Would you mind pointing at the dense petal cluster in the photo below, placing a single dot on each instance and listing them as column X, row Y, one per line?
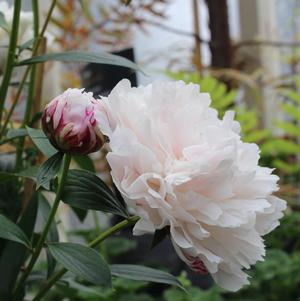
column 69, row 122
column 178, row 165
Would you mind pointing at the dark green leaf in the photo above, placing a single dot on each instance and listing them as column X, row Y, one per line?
column 159, row 236
column 14, row 254
column 49, row 170
column 10, row 231
column 30, row 173
column 80, row 213
column 85, row 162
column 44, row 209
column 141, row 273
column 85, row 190
column 82, row 261
column 15, row 133
column 99, row 57
column 3, row 23
column 5, row 176
column 41, row 141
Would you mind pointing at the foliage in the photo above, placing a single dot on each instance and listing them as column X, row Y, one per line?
column 286, row 147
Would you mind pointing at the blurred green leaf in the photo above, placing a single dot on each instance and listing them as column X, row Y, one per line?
column 30, row 172
column 15, row 133
column 117, row 246
column 99, row 57
column 291, row 110
column 141, row 273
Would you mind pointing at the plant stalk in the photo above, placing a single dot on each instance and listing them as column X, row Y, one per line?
column 41, row 241
column 116, row 228
column 22, row 83
column 27, row 113
column 11, row 56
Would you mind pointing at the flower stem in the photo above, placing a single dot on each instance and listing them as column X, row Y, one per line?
column 11, row 56
column 116, row 228
column 41, row 241
column 22, row 83
column 27, row 113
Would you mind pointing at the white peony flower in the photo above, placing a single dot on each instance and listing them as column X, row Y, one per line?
column 176, row 164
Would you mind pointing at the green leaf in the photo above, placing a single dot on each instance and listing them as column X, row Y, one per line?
column 49, row 170
column 16, row 133
column 14, row 254
column 288, row 168
column 291, row 110
column 99, row 57
column 80, row 213
column 141, row 273
column 44, row 209
column 257, row 135
column 117, row 246
column 30, row 173
column 41, row 141
column 85, row 162
column 289, row 127
column 226, row 100
column 82, row 261
column 3, row 23
column 280, row 146
column 292, row 94
column 10, row 231
column 159, row 236
column 85, row 190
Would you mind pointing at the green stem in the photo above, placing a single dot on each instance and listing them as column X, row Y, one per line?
column 116, row 228
column 10, row 56
column 41, row 241
column 22, row 83
column 27, row 113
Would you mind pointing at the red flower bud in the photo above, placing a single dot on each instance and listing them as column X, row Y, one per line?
column 68, row 122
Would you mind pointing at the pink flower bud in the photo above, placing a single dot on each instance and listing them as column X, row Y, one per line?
column 68, row 122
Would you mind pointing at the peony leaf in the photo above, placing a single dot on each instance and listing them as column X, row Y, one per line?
column 14, row 254
column 10, row 231
column 85, row 190
column 99, row 57
column 44, row 209
column 159, row 236
column 41, row 141
column 48, row 170
column 84, row 162
column 30, row 172
column 83, row 261
column 141, row 273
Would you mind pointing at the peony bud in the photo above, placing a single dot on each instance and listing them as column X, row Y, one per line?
column 68, row 122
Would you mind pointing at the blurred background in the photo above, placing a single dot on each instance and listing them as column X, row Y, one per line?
column 246, row 54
